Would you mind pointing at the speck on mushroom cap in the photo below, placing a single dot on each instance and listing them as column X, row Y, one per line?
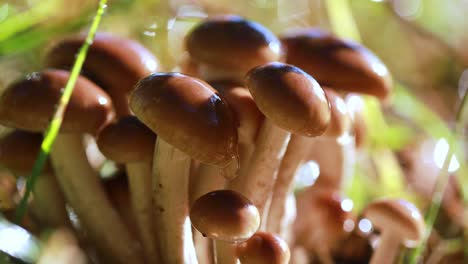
column 188, row 114
column 336, row 63
column 19, row 150
column 225, row 215
column 397, row 216
column 232, row 42
column 291, row 98
column 30, row 103
column 127, row 140
column 113, row 62
column 263, row 248
column 340, row 121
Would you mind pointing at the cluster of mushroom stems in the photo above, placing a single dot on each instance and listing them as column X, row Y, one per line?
column 211, row 152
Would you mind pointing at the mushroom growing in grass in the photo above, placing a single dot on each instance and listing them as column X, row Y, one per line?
column 399, row 223
column 226, row 47
column 114, row 63
column 130, row 142
column 324, row 220
column 263, row 248
column 298, row 151
column 29, row 104
column 337, row 63
column 18, row 152
column 292, row 101
column 191, row 121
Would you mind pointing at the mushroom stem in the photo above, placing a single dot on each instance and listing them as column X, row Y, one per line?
column 225, row 253
column 324, row 256
column 171, row 170
column 387, row 249
column 203, row 247
column 93, row 208
column 49, row 203
column 335, row 158
column 256, row 182
column 139, row 179
column 297, row 149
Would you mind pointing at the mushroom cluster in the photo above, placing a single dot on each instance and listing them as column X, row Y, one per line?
column 210, row 154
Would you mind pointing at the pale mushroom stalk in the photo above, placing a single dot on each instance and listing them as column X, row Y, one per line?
column 97, row 215
column 387, row 251
column 49, row 202
column 139, row 180
column 171, row 170
column 258, row 180
column 297, row 149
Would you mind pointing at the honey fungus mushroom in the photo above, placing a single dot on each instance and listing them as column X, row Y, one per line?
column 326, row 57
column 114, row 63
column 130, row 142
column 29, row 104
column 292, row 102
column 191, row 121
column 399, row 223
column 263, row 248
column 18, row 152
column 226, row 47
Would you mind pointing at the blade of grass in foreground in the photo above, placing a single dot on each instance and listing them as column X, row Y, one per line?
column 54, row 126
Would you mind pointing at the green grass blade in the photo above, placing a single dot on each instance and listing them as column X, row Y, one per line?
column 54, row 126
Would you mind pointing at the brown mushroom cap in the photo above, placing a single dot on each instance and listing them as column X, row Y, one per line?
column 127, row 140
column 263, row 248
column 324, row 208
column 19, row 150
column 291, row 98
column 188, row 114
column 340, row 121
column 231, row 42
column 30, row 103
column 397, row 216
column 113, row 62
column 225, row 215
column 337, row 63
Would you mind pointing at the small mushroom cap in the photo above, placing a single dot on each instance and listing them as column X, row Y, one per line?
column 225, row 215
column 336, row 63
column 263, row 248
column 113, row 62
column 340, row 121
column 30, row 103
column 248, row 116
column 231, row 42
column 127, row 140
column 397, row 216
column 188, row 114
column 19, row 150
column 291, row 98
column 325, row 208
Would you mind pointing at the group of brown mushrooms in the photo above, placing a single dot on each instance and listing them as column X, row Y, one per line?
column 210, row 153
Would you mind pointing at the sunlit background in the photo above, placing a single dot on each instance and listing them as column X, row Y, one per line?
column 423, row 43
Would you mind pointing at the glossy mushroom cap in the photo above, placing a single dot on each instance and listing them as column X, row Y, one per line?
column 30, row 103
column 248, row 116
column 263, row 248
column 127, row 140
column 289, row 97
column 112, row 62
column 337, row 63
column 19, row 150
column 340, row 121
column 324, row 219
column 225, row 215
column 397, row 216
column 233, row 43
column 188, row 114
